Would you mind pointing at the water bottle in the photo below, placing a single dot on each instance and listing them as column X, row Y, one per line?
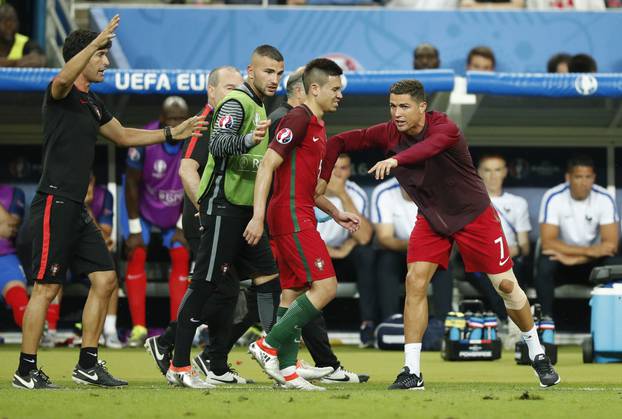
column 476, row 325
column 547, row 330
column 466, row 332
column 454, row 323
column 490, row 324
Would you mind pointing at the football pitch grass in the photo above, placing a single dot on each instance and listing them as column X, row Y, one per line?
column 498, row 389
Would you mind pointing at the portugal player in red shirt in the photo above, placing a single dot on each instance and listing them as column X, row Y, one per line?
column 430, row 158
column 308, row 279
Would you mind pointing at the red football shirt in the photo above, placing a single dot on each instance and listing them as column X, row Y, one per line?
column 301, row 140
column 435, row 168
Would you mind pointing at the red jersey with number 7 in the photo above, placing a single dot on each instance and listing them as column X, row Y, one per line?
column 301, row 140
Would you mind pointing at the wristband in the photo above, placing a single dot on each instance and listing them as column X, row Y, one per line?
column 180, row 224
column 135, row 226
column 168, row 135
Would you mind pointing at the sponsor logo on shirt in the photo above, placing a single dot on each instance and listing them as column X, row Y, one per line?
column 170, row 197
column 247, row 163
column 159, row 168
column 225, row 121
column 284, row 136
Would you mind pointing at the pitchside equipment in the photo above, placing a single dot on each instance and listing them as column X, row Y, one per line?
column 471, row 335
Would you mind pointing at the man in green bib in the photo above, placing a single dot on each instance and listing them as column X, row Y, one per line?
column 238, row 141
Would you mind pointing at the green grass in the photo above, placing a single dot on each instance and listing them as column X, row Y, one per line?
column 498, row 389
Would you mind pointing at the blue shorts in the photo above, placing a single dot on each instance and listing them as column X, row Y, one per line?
column 147, row 227
column 10, row 270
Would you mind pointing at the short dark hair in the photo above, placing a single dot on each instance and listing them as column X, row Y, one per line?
column 580, row 160
column 270, row 52
column 555, row 60
column 318, row 71
column 413, row 87
column 423, row 46
column 77, row 40
column 582, row 63
column 489, row 156
column 482, row 51
column 8, row 12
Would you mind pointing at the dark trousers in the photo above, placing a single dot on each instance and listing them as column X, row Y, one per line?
column 381, row 297
column 314, row 334
column 552, row 273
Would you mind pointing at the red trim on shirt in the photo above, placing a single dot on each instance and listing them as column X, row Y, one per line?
column 46, row 237
column 193, row 141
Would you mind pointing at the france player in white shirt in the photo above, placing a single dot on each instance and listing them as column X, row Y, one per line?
column 514, row 215
column 350, row 252
column 513, row 209
column 579, row 229
column 394, row 216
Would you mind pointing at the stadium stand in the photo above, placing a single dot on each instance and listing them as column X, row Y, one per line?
column 536, row 119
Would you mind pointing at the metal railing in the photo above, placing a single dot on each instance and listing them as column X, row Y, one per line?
column 59, row 22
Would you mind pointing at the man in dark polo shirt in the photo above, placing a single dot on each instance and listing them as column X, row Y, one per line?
column 63, row 233
column 430, row 159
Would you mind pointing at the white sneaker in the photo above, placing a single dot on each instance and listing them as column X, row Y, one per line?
column 48, row 339
column 310, row 372
column 266, row 357
column 300, row 383
column 342, row 376
column 189, row 379
column 111, row 340
column 230, row 377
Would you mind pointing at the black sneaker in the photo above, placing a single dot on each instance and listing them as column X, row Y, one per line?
column 544, row 370
column 407, row 381
column 201, row 364
column 96, row 376
column 35, row 380
column 366, row 336
column 161, row 354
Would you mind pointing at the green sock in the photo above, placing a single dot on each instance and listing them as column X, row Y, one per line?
column 280, row 312
column 287, row 329
column 288, row 354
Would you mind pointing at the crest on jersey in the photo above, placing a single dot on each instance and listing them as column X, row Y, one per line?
column 159, row 167
column 133, row 154
column 54, row 269
column 319, row 264
column 284, row 136
column 225, row 121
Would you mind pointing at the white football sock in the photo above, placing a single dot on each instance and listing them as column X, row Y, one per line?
column 110, row 324
column 533, row 342
column 412, row 355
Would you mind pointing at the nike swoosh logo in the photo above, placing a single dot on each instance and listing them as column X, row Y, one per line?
column 504, row 262
column 30, row 384
column 193, row 320
column 343, row 380
column 93, row 376
column 232, row 381
column 95, row 355
column 316, row 139
column 30, row 360
column 158, row 355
